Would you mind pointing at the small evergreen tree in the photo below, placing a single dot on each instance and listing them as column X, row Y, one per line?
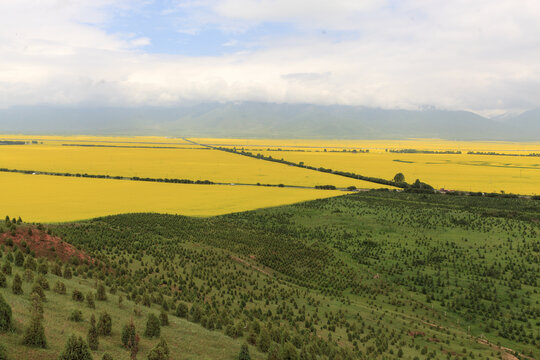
column 92, row 337
column 244, row 353
column 19, row 258
column 75, row 316
column 181, row 310
column 34, row 335
column 106, row 356
column 273, row 352
column 5, row 315
column 36, row 305
column 43, row 282
column 289, row 352
column 28, row 276
column 77, row 295
column 16, row 287
column 3, row 353
column 59, row 288
column 264, row 340
column 164, row 318
column 152, row 326
column 67, row 272
column 37, row 289
column 3, row 281
column 6, row 268
column 128, row 334
column 30, row 263
column 160, row 351
column 76, row 349
column 43, row 268
column 90, row 301
column 104, row 326
column 101, row 293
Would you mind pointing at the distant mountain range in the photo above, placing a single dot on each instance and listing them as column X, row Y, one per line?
column 268, row 120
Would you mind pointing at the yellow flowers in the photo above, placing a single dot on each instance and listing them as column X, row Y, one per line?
column 467, row 172
column 43, row 198
column 188, row 163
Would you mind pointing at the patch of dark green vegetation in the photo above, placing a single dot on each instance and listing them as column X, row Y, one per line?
column 377, row 274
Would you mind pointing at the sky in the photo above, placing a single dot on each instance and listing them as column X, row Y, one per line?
column 481, row 55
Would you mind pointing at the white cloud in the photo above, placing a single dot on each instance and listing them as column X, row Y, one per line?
column 480, row 55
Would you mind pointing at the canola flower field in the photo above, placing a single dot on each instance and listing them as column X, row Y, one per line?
column 508, row 173
column 172, row 163
column 47, row 198
column 42, row 198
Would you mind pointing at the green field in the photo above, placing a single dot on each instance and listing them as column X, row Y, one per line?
column 373, row 275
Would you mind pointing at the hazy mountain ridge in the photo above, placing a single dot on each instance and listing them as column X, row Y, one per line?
column 252, row 119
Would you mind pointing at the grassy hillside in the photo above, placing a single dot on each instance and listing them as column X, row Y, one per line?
column 370, row 275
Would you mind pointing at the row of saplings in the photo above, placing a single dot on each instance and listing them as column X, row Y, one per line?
column 76, row 347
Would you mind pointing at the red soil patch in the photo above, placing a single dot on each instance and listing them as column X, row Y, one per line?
column 416, row 333
column 42, row 244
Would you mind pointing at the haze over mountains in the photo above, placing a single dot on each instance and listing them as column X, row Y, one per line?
column 269, row 120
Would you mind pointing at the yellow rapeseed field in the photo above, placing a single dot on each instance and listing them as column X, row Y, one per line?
column 46, row 198
column 43, row 198
column 467, row 172
column 485, row 173
column 378, row 145
column 103, row 140
column 193, row 164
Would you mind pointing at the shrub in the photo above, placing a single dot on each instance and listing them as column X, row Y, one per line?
column 196, row 313
column 57, row 270
column 92, row 337
column 107, row 356
column 244, row 353
column 289, row 352
column 6, row 268
column 34, row 335
column 76, row 349
column 67, row 272
column 3, row 281
column 43, row 282
column 90, row 302
column 104, row 326
column 30, row 263
column 164, row 318
column 76, row 316
column 160, row 351
column 101, row 293
column 128, row 334
column 152, row 326
column 19, row 258
column 28, row 276
column 77, row 295
column 5, row 315
column 16, row 287
column 130, row 339
column 273, row 353
column 3, row 353
column 181, row 310
column 43, row 268
column 264, row 340
column 37, row 289
column 60, row 288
